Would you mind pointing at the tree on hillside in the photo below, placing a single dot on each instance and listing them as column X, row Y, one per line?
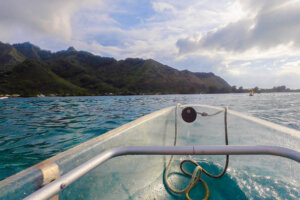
column 240, row 90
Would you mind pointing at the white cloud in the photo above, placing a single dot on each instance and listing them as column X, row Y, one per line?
column 162, row 6
column 41, row 18
column 156, row 36
column 292, row 67
column 265, row 30
column 269, row 24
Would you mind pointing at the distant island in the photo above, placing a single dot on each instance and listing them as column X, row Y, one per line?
column 281, row 88
column 26, row 70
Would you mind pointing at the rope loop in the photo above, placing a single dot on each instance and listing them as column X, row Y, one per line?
column 196, row 176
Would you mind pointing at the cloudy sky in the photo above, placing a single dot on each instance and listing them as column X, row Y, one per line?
column 248, row 43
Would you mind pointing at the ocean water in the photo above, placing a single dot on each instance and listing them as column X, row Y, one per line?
column 34, row 129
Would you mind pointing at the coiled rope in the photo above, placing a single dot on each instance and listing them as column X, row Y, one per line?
column 196, row 176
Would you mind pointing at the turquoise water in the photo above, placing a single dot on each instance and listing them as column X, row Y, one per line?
column 34, row 129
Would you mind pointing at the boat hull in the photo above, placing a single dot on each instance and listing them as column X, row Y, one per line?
column 141, row 176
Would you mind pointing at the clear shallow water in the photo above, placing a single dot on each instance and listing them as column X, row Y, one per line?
column 34, row 129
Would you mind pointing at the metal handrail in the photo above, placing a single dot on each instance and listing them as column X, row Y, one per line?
column 61, row 183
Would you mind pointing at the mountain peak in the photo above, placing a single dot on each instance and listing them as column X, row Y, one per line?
column 71, row 49
column 26, row 45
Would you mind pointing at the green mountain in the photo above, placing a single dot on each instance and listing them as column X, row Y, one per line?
column 9, row 57
column 32, row 77
column 31, row 51
column 28, row 70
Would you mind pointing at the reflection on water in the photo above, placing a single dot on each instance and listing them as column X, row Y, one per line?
column 34, row 129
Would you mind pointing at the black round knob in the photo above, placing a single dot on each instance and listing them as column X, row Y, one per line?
column 189, row 114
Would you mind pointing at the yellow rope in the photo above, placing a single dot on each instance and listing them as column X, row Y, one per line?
column 195, row 178
column 198, row 168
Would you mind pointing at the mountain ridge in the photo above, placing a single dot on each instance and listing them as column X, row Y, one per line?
column 73, row 72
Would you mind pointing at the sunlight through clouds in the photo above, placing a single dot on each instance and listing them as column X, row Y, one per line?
column 232, row 38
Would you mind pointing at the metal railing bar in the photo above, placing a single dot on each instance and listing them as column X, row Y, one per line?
column 61, row 183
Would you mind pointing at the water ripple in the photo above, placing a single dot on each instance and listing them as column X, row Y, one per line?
column 35, row 129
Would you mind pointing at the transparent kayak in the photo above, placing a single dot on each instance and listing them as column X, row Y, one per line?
column 130, row 162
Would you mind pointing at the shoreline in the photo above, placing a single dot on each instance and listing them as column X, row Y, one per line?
column 119, row 95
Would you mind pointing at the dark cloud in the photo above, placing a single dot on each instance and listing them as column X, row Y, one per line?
column 270, row 23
